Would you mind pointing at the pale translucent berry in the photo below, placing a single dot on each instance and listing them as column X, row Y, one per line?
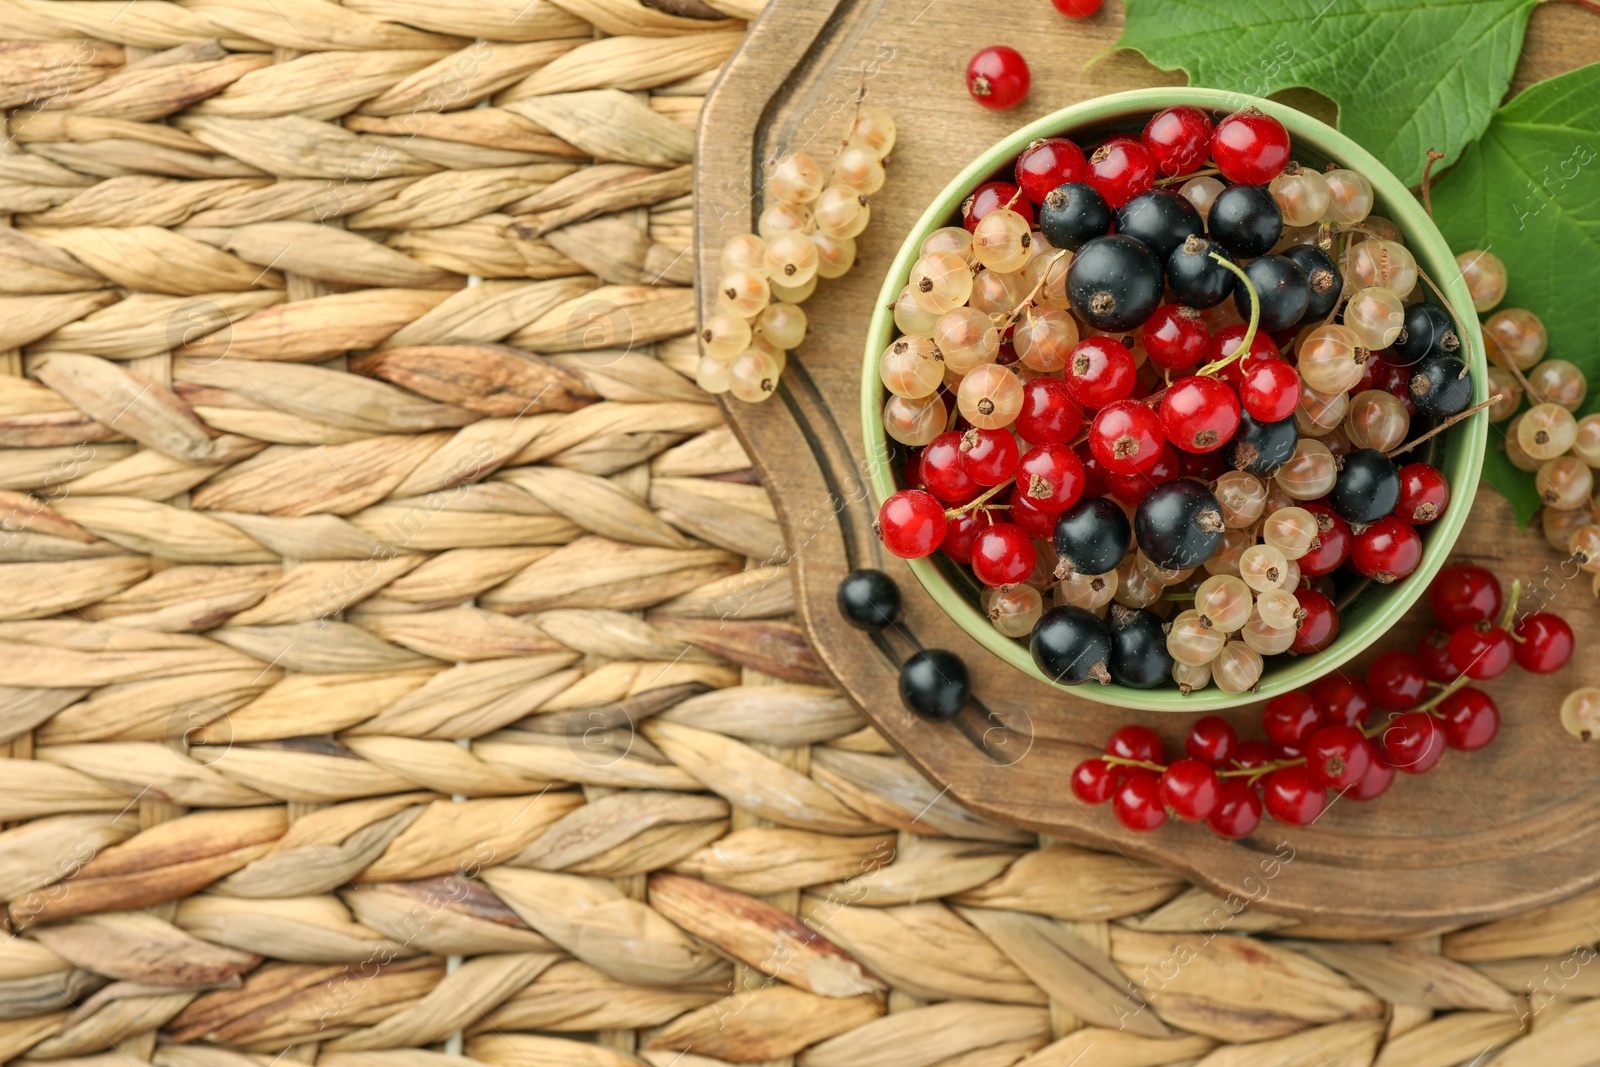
column 1514, row 337
column 1224, row 600
column 1044, row 337
column 713, row 375
column 1193, row 640
column 1338, row 440
column 794, row 294
column 1485, row 276
column 912, row 318
column 1580, row 713
column 1384, row 264
column 940, row 281
column 1191, row 677
column 745, row 252
column 1242, row 497
column 1559, row 382
column 911, row 367
column 1278, row 607
column 1319, row 413
column 791, row 258
column 1584, row 546
column 1236, row 668
column 797, row 179
column 1545, row 431
column 783, row 218
column 1002, row 240
column 1520, row 459
column 1302, row 194
column 1329, row 359
column 990, row 397
column 724, row 336
column 1503, row 383
column 1165, row 576
column 914, row 422
column 1310, row 472
column 1558, row 525
column 835, row 255
column 1377, row 420
column 1349, row 197
column 949, row 239
column 1375, row 316
column 967, row 339
column 753, row 376
column 1225, row 560
column 995, row 293
column 783, row 324
column 1263, row 567
column 1290, row 531
column 1012, row 608
column 1088, row 591
column 1135, row 589
column 875, row 129
column 859, row 167
column 1586, row 443
column 1564, row 482
column 841, row 212
column 1052, row 269
column 1265, row 638
column 1201, row 192
column 743, row 293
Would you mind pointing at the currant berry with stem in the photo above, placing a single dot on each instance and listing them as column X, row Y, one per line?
column 1211, row 740
column 911, row 523
column 1072, row 646
column 1051, row 477
column 944, row 470
column 1092, row 537
column 1094, row 781
column 1269, row 389
column 1324, row 282
column 1100, row 372
column 988, row 456
column 1199, row 414
column 1192, row 641
column 1469, row 719
column 1121, row 169
column 1465, row 594
column 1544, row 642
column 1440, row 386
column 1139, row 657
column 1126, row 436
column 1428, row 330
column 1137, row 801
column 1196, row 275
column 1049, row 414
column 1293, row 797
column 1331, row 546
column 1412, row 742
column 998, row 77
column 1179, row 524
column 1047, row 163
column 1190, row 789
column 1114, row 283
column 1386, row 551
column 1281, row 288
column 1337, row 756
column 1481, row 650
column 1368, row 487
column 1238, row 810
column 1301, row 193
column 1319, row 626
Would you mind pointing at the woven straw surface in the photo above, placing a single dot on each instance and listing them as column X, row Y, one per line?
column 388, row 677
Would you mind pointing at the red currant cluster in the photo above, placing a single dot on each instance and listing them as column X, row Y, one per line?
column 1254, row 437
column 1340, row 734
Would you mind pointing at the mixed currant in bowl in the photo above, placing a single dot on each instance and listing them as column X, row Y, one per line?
column 1156, row 399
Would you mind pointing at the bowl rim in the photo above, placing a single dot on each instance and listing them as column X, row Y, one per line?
column 1422, row 237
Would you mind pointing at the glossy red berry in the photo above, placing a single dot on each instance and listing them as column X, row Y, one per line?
column 1094, row 475
column 1077, row 9
column 998, row 78
column 1225, row 342
column 989, row 456
column 1034, row 521
column 1238, row 811
column 944, row 471
column 1002, row 554
column 1252, row 754
column 1371, row 373
column 1199, row 414
column 1318, row 628
column 1386, row 551
column 1126, row 436
column 990, row 197
column 1424, row 494
column 1051, row 477
column 1481, row 650
column 1413, row 742
column 959, row 534
column 1189, row 789
column 1290, row 719
column 1269, row 389
column 1121, row 169
column 1136, row 743
column 1129, row 489
column 1175, row 337
column 1250, row 147
column 1206, row 466
column 1338, row 756
column 1049, row 415
column 1470, row 719
column 1433, row 652
column 1459, row 595
column 1137, row 801
column 1093, row 781
column 911, row 523
column 1179, row 140
column 1331, row 547
column 1377, row 780
column 1293, row 797
column 1397, row 680
column 1396, row 381
column 1341, row 700
column 1211, row 740
column 1544, row 642
column 1047, row 163
column 1100, row 371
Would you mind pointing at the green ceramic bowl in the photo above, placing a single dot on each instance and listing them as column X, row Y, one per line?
column 1458, row 452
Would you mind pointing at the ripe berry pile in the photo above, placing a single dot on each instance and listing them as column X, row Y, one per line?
column 1239, row 452
column 1340, row 735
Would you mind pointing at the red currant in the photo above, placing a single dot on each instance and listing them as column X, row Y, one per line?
column 1225, row 342
column 959, row 534
column 1290, row 719
column 1100, row 371
column 1331, row 546
column 1413, row 742
column 1293, row 797
column 1341, row 701
column 998, row 78
column 1433, row 652
column 1077, row 9
column 989, row 456
column 944, row 473
column 1424, row 494
column 1396, row 381
column 1459, row 595
column 1269, row 389
column 1206, row 466
column 1250, row 147
column 1002, row 554
column 1376, row 781
column 1386, row 551
column 1189, row 789
column 1338, row 756
column 1544, row 642
column 1136, row 743
column 1481, row 650
column 1199, row 414
column 1371, row 373
column 1397, row 680
column 1318, row 628
column 1211, row 740
column 990, row 197
column 1179, row 140
column 1129, row 489
column 1175, row 337
column 1051, row 477
column 1094, row 475
column 1238, row 811
column 1470, row 719
column 911, row 523
column 1126, row 437
column 1252, row 754
column 1049, row 415
column 1121, row 169
column 1047, row 163
column 1137, row 801
column 1034, row 520
column 1093, row 781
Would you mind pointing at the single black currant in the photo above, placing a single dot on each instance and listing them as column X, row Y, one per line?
column 1114, row 283
column 1197, row 279
column 1440, row 386
column 934, row 684
column 1071, row 645
column 1245, row 220
column 1139, row 656
column 1072, row 214
column 1281, row 286
column 1160, row 220
column 1261, row 447
column 1092, row 536
column 1323, row 280
column 1368, row 487
column 1178, row 524
column 1428, row 331
column 869, row 599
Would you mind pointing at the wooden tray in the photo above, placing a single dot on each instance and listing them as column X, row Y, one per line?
column 1484, row 835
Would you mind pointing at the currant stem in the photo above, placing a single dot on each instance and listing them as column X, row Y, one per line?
column 951, row 513
column 1445, row 425
column 1250, row 332
column 1027, row 301
column 1176, row 179
column 1124, row 761
column 1434, row 156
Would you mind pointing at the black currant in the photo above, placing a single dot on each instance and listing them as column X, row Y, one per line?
column 1197, row 279
column 1092, row 536
column 1428, row 331
column 934, row 684
column 1071, row 645
column 1282, row 289
column 1368, row 487
column 1261, row 447
column 1114, row 283
column 1139, row 656
column 1323, row 280
column 1072, row 214
column 1178, row 524
column 1159, row 220
column 869, row 599
column 1440, row 386
column 1245, row 220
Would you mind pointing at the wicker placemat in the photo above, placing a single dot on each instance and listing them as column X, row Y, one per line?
column 376, row 690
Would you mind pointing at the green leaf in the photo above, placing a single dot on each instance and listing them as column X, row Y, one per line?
column 1529, row 191
column 1407, row 76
